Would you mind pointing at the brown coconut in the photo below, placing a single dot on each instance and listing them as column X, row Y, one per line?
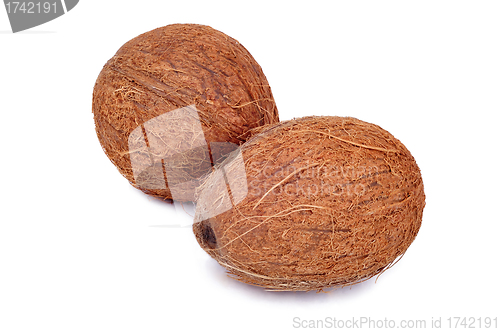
column 311, row 203
column 167, row 69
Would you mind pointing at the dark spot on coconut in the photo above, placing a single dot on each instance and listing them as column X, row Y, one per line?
column 208, row 235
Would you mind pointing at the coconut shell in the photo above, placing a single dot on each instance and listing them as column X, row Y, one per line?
column 311, row 203
column 208, row 75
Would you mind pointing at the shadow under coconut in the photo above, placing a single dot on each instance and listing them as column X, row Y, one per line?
column 221, row 276
column 159, row 202
column 174, row 215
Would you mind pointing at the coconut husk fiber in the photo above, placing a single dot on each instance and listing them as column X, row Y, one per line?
column 311, row 203
column 213, row 83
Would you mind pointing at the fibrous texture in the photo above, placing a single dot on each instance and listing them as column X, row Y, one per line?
column 208, row 75
column 311, row 203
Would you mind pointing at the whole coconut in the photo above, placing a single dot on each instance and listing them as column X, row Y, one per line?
column 311, row 203
column 215, row 87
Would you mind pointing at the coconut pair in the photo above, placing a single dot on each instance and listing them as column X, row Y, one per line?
column 185, row 113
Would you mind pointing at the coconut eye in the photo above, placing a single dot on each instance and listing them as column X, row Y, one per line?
column 208, row 234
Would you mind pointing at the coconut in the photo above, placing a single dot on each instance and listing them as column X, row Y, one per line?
column 173, row 101
column 311, row 203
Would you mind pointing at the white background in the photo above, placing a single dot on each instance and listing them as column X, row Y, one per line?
column 81, row 250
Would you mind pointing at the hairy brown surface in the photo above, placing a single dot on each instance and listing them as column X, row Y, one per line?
column 173, row 67
column 331, row 201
